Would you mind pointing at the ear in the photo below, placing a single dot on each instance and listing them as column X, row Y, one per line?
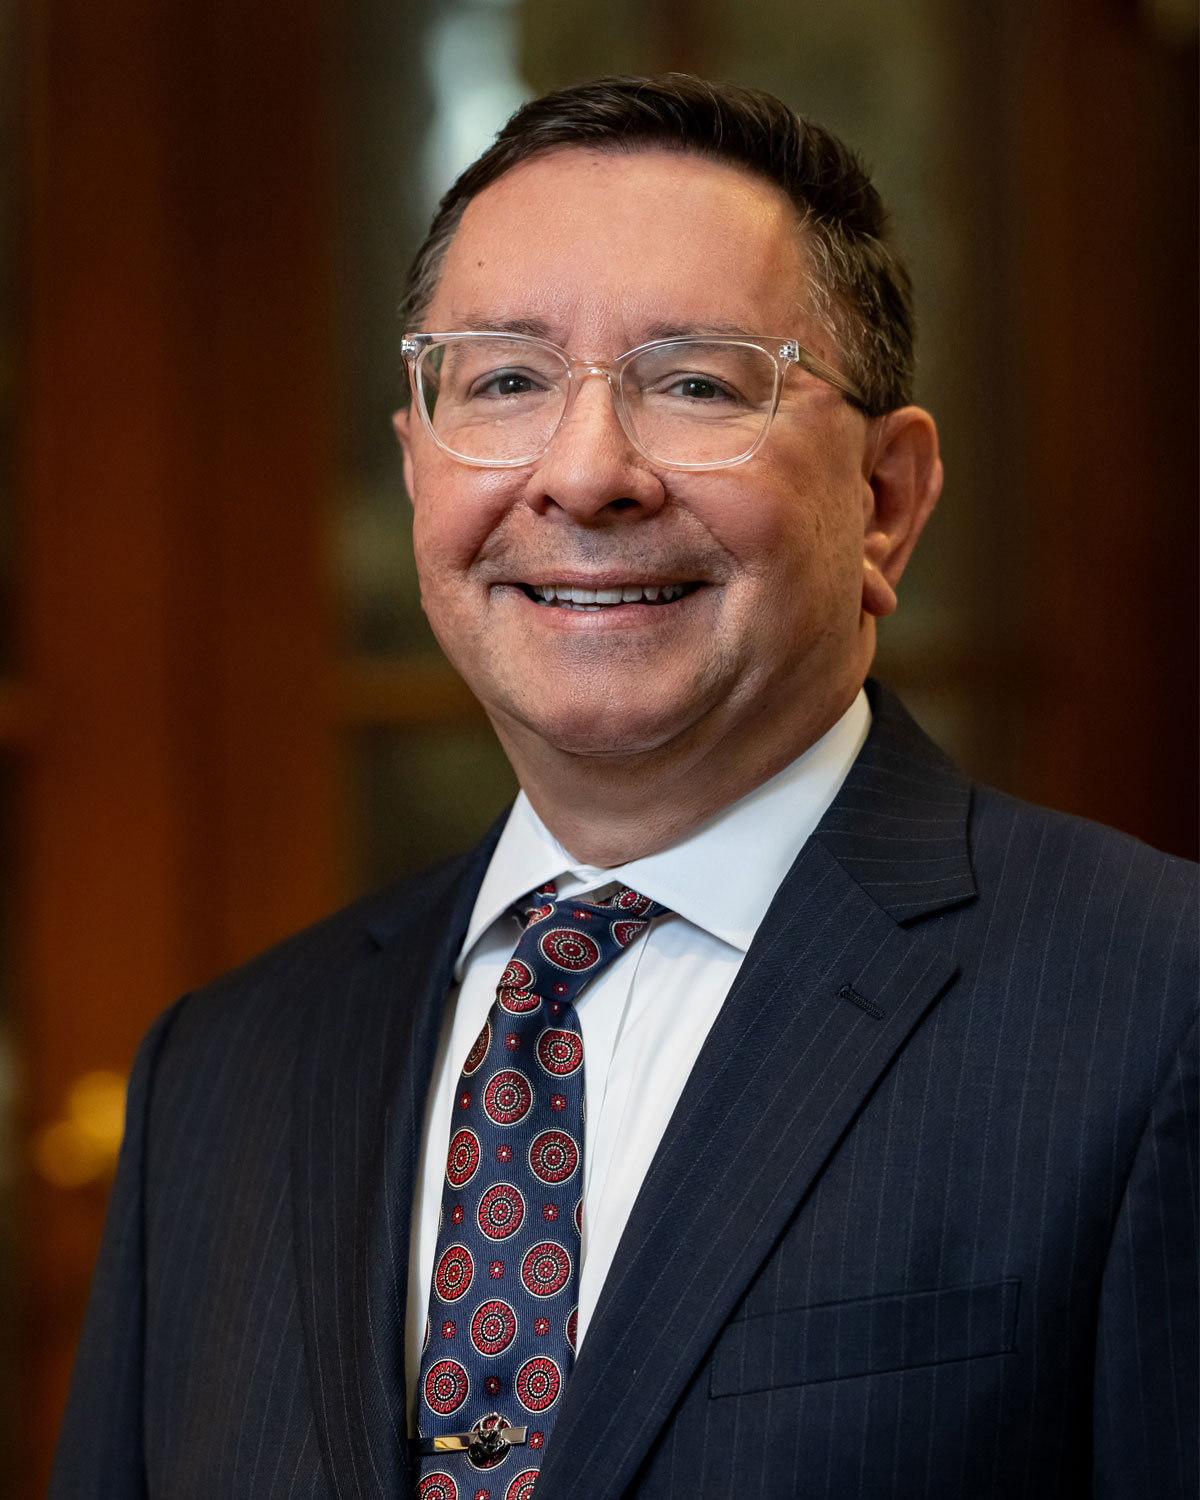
column 402, row 427
column 904, row 478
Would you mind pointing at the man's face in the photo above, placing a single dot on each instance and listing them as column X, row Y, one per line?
column 600, row 252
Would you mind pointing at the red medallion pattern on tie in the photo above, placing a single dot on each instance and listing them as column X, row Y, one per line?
column 454, row 1273
column 506, row 1272
column 501, row 1211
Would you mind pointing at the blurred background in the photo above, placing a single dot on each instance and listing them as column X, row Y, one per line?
column 221, row 713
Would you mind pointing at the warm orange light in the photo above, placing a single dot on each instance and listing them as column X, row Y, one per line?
column 83, row 1147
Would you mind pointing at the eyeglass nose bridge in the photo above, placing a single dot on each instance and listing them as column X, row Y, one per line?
column 579, row 370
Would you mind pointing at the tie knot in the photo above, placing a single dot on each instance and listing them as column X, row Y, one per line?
column 546, row 902
column 567, row 941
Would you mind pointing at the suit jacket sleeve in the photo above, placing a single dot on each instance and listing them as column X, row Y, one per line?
column 100, row 1449
column 1146, row 1392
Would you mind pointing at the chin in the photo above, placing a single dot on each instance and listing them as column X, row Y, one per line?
column 605, row 730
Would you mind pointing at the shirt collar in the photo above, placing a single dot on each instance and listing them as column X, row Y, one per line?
column 759, row 837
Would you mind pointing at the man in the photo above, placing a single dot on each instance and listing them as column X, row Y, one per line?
column 864, row 1165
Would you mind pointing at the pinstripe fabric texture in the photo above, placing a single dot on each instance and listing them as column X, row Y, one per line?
column 922, row 1225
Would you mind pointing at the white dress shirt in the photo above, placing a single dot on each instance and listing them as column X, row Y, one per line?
column 645, row 1017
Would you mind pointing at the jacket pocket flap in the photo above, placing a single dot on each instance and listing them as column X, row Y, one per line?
column 868, row 1336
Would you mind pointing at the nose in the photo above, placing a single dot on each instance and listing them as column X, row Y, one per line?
column 591, row 470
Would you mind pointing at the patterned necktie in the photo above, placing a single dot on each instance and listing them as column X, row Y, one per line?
column 500, row 1338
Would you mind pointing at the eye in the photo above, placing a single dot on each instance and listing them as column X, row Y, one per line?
column 505, row 383
column 698, row 388
column 694, row 388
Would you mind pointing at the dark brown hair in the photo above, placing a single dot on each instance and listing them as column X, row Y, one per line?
column 860, row 288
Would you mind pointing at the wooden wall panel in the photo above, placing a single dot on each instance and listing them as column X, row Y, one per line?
column 178, row 790
column 1102, row 191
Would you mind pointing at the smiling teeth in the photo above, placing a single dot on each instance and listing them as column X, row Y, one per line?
column 631, row 593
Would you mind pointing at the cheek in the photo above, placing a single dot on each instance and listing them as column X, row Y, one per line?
column 455, row 510
column 774, row 533
column 799, row 550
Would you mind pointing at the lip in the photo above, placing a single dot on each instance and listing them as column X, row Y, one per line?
column 606, row 617
column 608, row 580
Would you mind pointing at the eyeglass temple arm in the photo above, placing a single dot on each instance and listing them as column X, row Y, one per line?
column 797, row 354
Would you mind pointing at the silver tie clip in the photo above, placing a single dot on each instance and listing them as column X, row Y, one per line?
column 491, row 1442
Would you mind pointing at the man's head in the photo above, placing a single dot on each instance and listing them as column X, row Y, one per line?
column 735, row 617
column 860, row 290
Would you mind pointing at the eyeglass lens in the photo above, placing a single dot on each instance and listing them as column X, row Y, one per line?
column 687, row 401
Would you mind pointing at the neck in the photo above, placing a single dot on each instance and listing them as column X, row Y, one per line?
column 609, row 809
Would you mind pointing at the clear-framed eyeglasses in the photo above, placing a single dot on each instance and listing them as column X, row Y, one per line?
column 496, row 400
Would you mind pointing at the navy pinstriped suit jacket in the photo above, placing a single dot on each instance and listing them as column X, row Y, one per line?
column 923, row 1223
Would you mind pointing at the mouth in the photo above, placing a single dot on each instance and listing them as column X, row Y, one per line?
column 570, row 596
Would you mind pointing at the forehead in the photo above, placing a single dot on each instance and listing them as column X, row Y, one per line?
column 613, row 245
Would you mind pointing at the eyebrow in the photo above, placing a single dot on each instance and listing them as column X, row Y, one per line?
column 692, row 330
column 538, row 328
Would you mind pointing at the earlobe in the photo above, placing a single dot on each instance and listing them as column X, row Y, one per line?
column 904, row 479
column 878, row 596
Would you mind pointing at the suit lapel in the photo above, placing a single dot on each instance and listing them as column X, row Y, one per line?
column 361, row 1085
column 831, row 989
